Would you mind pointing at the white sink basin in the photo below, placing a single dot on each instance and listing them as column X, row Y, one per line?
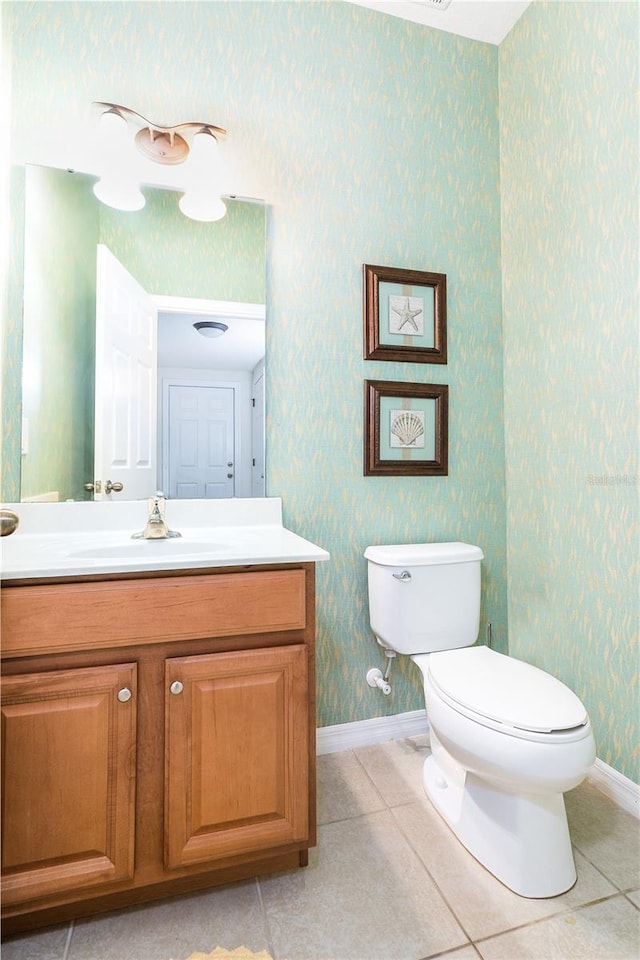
column 85, row 539
column 147, row 550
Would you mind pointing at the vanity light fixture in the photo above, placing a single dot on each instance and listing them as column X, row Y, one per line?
column 211, row 328
column 440, row 4
column 193, row 144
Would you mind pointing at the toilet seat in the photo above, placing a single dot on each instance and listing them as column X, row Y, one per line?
column 507, row 694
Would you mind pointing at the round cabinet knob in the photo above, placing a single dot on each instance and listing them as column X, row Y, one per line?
column 229, row 476
column 124, row 695
column 8, row 522
column 176, row 687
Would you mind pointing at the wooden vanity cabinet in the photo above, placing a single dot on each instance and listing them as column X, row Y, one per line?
column 158, row 736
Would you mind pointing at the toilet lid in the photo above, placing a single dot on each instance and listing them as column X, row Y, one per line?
column 506, row 690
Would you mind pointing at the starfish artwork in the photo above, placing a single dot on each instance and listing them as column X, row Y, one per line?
column 407, row 319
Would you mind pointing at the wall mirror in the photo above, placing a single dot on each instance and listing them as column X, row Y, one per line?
column 187, row 417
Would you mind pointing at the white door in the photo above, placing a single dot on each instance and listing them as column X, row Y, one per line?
column 201, row 442
column 126, row 377
column 257, row 433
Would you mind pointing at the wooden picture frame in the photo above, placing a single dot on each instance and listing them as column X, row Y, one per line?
column 405, row 315
column 406, row 429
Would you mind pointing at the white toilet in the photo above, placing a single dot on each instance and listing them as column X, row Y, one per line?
column 507, row 739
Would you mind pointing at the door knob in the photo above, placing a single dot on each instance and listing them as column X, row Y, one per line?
column 116, row 487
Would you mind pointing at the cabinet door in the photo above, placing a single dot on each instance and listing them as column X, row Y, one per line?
column 236, row 753
column 68, row 787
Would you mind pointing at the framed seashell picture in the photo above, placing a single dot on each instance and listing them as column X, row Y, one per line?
column 405, row 315
column 405, row 429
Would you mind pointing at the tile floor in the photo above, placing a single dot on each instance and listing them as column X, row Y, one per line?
column 388, row 881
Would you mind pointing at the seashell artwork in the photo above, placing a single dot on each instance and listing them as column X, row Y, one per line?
column 407, row 428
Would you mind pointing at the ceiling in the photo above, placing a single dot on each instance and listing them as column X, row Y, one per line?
column 179, row 345
column 486, row 20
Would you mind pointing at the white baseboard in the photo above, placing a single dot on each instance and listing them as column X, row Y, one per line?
column 362, row 733
column 624, row 792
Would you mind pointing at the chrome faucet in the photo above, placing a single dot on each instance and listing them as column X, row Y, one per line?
column 156, row 528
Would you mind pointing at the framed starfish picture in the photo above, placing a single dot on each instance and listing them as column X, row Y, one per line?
column 405, row 315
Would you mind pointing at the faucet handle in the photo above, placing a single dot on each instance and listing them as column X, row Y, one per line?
column 156, row 500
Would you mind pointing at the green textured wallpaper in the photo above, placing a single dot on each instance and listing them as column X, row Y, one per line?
column 569, row 149
column 375, row 140
column 59, row 340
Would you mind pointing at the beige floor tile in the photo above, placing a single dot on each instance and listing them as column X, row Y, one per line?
column 609, row 930
column 607, row 835
column 396, row 768
column 634, row 896
column 482, row 904
column 43, row 945
column 173, row 929
column 462, row 953
column 367, row 896
column 344, row 789
column 364, row 896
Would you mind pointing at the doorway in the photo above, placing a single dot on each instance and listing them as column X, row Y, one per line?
column 208, row 443
column 201, row 447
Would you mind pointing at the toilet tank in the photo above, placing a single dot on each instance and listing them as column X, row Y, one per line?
column 424, row 597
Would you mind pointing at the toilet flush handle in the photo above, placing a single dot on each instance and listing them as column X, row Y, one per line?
column 404, row 576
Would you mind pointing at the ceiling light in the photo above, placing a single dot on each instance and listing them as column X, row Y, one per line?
column 210, row 328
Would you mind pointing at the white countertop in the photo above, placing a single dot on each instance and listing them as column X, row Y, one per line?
column 81, row 539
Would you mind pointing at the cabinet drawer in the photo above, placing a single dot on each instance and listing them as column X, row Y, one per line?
column 85, row 616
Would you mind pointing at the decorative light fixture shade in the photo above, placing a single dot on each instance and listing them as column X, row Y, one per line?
column 198, row 206
column 193, row 144
column 118, row 185
column 201, row 201
column 210, row 328
column 118, row 194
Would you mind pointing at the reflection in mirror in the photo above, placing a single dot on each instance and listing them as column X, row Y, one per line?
column 118, row 384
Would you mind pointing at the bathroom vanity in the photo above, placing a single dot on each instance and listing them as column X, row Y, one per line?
column 158, row 709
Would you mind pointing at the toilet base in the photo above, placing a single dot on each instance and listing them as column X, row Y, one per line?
column 523, row 840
